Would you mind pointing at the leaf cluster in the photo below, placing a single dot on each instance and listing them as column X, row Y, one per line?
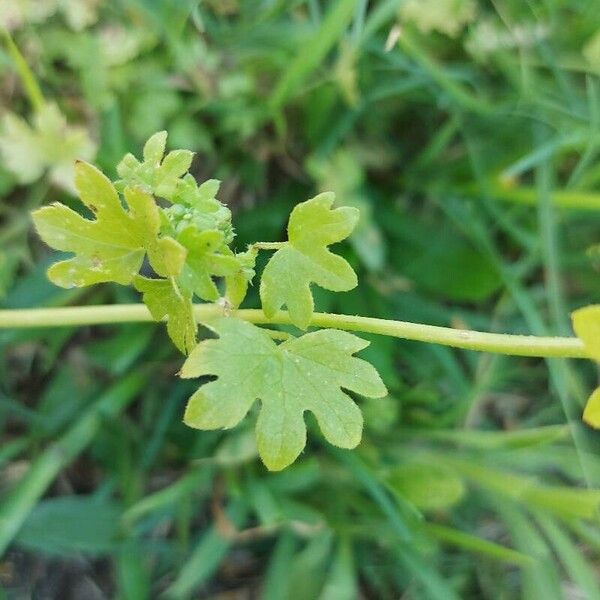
column 157, row 215
column 186, row 243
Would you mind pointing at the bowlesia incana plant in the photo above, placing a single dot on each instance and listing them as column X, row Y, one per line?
column 158, row 230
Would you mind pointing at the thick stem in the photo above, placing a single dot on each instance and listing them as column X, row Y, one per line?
column 515, row 345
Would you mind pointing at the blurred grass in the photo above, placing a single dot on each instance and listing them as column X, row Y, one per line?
column 469, row 140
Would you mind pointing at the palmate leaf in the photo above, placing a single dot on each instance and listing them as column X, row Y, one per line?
column 343, row 174
column 111, row 247
column 298, row 375
column 167, row 177
column 165, row 299
column 305, row 259
column 158, row 175
column 586, row 322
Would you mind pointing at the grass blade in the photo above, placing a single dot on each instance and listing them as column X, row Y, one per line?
column 41, row 474
column 478, row 545
column 207, row 556
column 313, row 51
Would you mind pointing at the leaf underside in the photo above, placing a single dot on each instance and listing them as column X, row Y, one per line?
column 301, row 374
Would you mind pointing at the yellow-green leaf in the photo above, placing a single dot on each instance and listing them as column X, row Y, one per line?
column 158, row 175
column 236, row 285
column 301, row 374
column 208, row 256
column 164, row 299
column 586, row 323
column 591, row 414
column 305, row 259
column 113, row 245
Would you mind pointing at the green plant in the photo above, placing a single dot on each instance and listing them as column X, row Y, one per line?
column 470, row 146
column 186, row 235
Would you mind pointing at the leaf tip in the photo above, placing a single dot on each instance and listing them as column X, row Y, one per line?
column 328, row 198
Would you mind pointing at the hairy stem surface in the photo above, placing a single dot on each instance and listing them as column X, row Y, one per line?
column 514, row 345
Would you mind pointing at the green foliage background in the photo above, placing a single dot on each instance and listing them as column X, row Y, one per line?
column 467, row 134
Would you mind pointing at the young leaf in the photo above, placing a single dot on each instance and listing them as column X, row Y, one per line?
column 159, row 176
column 164, row 299
column 586, row 322
column 236, row 285
column 300, row 374
column 192, row 204
column 111, row 247
column 305, row 259
column 196, row 205
column 208, row 256
column 154, row 148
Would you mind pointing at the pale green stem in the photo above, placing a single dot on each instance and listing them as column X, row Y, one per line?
column 268, row 245
column 515, row 345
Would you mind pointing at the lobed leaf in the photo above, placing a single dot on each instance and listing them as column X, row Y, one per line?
column 305, row 259
column 298, row 375
column 111, row 247
column 157, row 175
column 167, row 177
column 343, row 174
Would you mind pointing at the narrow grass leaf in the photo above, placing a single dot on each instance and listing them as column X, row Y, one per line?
column 312, row 52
